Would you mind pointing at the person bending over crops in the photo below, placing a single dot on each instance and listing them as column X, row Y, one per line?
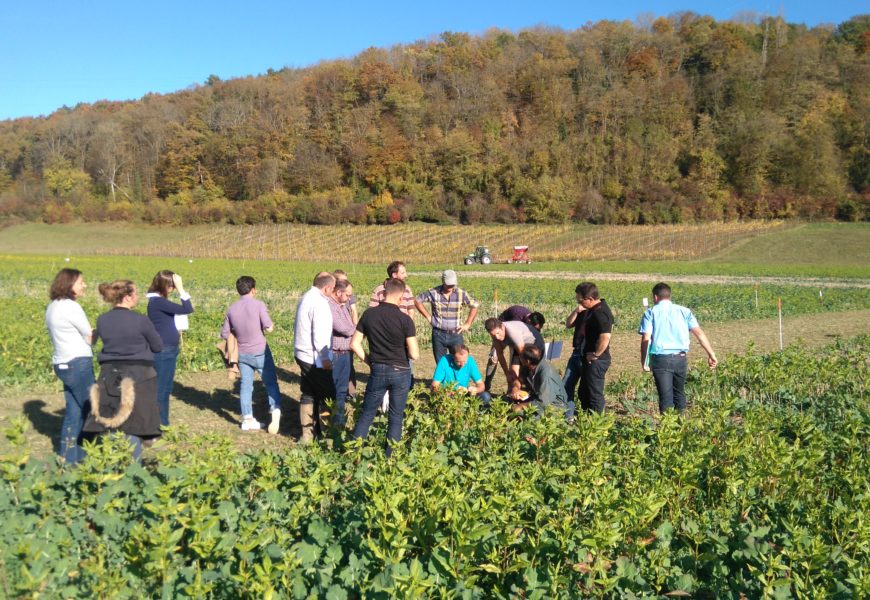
column 392, row 339
column 248, row 319
column 457, row 371
column 665, row 329
column 162, row 313
column 125, row 395
column 516, row 335
column 545, row 385
column 72, row 358
column 511, row 313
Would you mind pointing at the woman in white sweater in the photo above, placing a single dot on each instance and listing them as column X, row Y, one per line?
column 72, row 358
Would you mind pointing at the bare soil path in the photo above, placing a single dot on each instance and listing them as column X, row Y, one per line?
column 656, row 277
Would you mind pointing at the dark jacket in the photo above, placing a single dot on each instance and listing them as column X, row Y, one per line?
column 124, row 398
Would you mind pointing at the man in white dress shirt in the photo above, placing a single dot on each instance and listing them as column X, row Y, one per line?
column 312, row 345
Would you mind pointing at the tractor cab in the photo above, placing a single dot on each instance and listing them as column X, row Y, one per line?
column 481, row 255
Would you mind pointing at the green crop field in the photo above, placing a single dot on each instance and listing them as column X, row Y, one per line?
column 24, row 282
column 762, row 491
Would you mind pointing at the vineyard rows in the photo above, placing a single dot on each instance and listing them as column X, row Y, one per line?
column 424, row 244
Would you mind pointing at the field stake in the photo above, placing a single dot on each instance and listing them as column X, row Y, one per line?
column 779, row 309
column 756, row 296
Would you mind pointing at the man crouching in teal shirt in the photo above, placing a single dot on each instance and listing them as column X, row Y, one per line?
column 458, row 370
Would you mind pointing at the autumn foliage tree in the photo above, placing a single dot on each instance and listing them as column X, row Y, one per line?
column 669, row 119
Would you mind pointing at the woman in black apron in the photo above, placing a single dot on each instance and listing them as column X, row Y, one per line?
column 125, row 395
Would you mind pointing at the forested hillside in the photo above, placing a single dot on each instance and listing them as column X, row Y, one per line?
column 672, row 120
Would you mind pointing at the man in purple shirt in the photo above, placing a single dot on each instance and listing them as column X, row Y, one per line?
column 248, row 319
column 343, row 328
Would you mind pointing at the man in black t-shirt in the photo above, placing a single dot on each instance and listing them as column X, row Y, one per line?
column 574, row 366
column 596, row 328
column 392, row 341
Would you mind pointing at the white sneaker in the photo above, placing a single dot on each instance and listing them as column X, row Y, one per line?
column 275, row 422
column 251, row 424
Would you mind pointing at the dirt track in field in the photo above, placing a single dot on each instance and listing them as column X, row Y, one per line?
column 651, row 278
column 208, row 402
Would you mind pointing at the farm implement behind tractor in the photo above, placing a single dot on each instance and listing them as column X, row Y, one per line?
column 483, row 256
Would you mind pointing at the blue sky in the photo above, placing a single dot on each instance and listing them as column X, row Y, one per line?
column 56, row 53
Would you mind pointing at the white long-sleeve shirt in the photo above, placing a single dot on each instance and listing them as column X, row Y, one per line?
column 312, row 337
column 69, row 330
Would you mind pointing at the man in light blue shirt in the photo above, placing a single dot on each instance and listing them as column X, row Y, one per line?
column 458, row 370
column 665, row 329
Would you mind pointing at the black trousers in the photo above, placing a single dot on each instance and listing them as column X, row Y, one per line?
column 592, row 383
column 316, row 385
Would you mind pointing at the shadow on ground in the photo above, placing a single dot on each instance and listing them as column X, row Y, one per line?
column 224, row 402
column 45, row 422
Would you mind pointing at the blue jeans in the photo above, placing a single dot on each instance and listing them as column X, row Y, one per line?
column 77, row 376
column 669, row 372
column 164, row 364
column 136, row 447
column 573, row 371
column 264, row 364
column 341, row 369
column 442, row 340
column 385, row 378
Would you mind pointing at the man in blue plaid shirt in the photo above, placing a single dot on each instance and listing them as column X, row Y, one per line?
column 446, row 302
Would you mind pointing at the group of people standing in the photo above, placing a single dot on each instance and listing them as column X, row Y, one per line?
column 139, row 353
column 137, row 359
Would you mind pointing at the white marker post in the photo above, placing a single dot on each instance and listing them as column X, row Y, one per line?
column 779, row 309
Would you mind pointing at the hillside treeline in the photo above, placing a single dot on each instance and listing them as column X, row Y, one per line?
column 670, row 120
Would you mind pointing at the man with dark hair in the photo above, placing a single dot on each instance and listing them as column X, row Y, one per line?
column 458, row 370
column 341, row 275
column 515, row 335
column 247, row 319
column 312, row 346
column 343, row 329
column 245, row 284
column 395, row 270
column 536, row 320
column 543, row 381
column 446, row 302
column 511, row 313
column 392, row 340
column 574, row 366
column 593, row 324
column 665, row 329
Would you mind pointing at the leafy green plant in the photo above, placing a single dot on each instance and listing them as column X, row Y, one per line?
column 760, row 491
